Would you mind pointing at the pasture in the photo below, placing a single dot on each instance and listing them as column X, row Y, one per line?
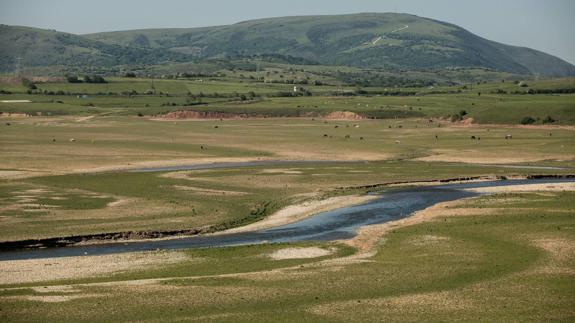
column 69, row 164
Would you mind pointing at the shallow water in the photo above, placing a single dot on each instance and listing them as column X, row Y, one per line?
column 234, row 165
column 333, row 225
column 297, row 162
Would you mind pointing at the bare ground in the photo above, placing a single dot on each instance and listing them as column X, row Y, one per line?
column 299, row 253
column 297, row 212
column 554, row 187
column 37, row 270
column 482, row 157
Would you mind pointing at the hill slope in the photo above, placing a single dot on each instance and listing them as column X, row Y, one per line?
column 371, row 40
column 386, row 40
column 39, row 47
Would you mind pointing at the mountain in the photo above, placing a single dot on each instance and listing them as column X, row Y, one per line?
column 38, row 47
column 371, row 40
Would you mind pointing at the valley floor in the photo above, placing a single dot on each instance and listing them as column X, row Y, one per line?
column 506, row 256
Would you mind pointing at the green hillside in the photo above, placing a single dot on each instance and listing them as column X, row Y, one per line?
column 391, row 41
column 394, row 42
column 37, row 47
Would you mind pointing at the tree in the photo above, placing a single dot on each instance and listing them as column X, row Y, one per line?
column 29, row 84
column 548, row 119
column 94, row 79
column 527, row 120
column 99, row 79
column 73, row 79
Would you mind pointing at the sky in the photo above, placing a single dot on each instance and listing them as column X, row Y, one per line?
column 546, row 25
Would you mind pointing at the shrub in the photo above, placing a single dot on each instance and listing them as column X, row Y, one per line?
column 73, row 79
column 455, row 117
column 527, row 120
column 29, row 84
column 94, row 79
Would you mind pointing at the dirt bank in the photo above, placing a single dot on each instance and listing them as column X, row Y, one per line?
column 297, row 212
column 343, row 115
column 554, row 187
column 486, row 158
column 204, row 115
column 217, row 115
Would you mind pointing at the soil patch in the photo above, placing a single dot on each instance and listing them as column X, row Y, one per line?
column 206, row 191
column 204, row 115
column 477, row 157
column 37, row 270
column 299, row 253
column 553, row 187
column 343, row 115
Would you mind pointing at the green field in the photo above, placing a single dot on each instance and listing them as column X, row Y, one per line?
column 47, row 193
column 515, row 264
column 483, row 103
column 215, row 200
column 64, row 171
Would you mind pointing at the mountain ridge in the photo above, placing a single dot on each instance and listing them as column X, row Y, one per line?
column 367, row 40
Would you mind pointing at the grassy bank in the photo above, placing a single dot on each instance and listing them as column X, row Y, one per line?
column 495, row 257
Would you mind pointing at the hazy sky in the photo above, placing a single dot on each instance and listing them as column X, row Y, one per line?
column 547, row 25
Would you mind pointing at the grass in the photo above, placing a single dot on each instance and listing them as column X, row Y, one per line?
column 43, row 144
column 214, row 199
column 489, row 107
column 222, row 198
column 512, row 265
